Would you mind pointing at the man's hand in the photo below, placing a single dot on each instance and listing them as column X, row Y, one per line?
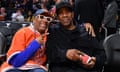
column 91, row 63
column 73, row 54
column 89, row 28
column 41, row 38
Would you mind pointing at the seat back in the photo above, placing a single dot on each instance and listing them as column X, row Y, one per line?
column 112, row 49
column 8, row 34
column 15, row 26
column 2, row 45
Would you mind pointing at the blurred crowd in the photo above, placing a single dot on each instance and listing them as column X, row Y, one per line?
column 22, row 10
column 9, row 9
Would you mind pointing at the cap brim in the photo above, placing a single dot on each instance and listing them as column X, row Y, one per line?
column 46, row 14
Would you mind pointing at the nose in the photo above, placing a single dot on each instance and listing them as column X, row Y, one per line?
column 44, row 21
column 64, row 14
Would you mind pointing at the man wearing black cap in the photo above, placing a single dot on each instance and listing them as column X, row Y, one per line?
column 69, row 47
column 27, row 51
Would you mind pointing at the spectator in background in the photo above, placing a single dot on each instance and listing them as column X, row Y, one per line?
column 30, row 16
column 36, row 5
column 27, row 4
column 53, row 9
column 91, row 12
column 18, row 16
column 45, row 4
column 3, row 3
column 27, row 50
column 69, row 46
column 17, row 4
column 110, row 17
column 3, row 14
column 71, row 2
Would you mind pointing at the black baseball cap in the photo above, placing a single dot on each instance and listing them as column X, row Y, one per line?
column 63, row 4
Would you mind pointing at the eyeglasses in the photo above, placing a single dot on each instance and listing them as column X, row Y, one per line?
column 49, row 19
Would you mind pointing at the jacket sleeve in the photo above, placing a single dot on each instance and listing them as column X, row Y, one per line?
column 110, row 12
column 20, row 58
column 99, row 53
column 55, row 52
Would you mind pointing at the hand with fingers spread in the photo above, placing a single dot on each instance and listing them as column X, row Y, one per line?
column 41, row 38
column 73, row 54
column 89, row 28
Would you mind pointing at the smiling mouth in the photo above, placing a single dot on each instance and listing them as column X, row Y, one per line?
column 43, row 26
column 65, row 19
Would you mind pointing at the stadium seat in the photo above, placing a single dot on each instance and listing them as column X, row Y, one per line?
column 112, row 48
column 2, row 48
